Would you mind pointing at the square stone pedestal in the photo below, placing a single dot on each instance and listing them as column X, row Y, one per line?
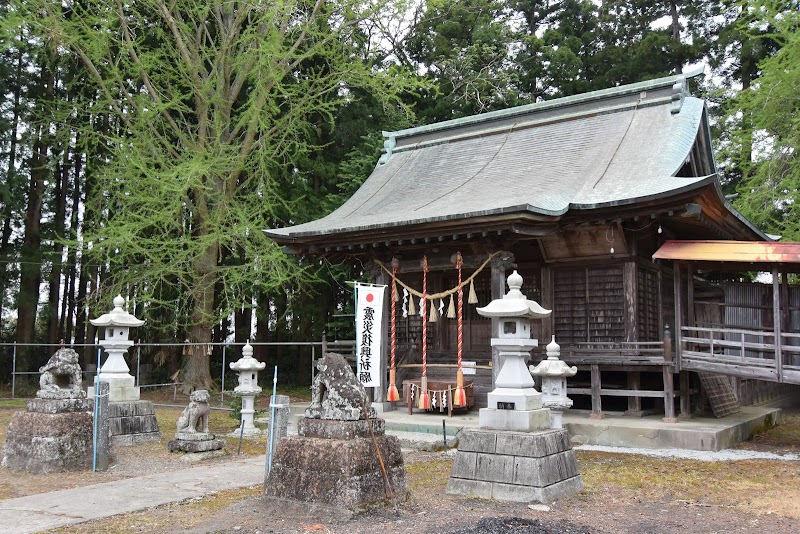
column 514, row 409
column 515, row 466
column 120, row 389
column 132, row 422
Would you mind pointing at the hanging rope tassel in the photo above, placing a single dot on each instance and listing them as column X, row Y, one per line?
column 451, row 310
column 473, row 297
column 392, row 395
column 424, row 397
column 411, row 309
column 460, row 396
column 434, row 316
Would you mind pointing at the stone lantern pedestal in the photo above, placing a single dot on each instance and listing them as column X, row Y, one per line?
column 515, row 456
column 131, row 420
column 248, row 388
column 554, row 375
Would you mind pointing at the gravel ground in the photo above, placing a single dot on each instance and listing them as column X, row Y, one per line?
column 725, row 455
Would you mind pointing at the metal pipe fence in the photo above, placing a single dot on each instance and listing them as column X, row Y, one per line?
column 43, row 351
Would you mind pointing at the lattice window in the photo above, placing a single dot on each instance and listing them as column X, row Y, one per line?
column 588, row 305
column 647, row 304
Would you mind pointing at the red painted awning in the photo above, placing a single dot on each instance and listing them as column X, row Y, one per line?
column 743, row 252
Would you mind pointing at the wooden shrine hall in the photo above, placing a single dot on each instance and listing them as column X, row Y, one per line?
column 576, row 194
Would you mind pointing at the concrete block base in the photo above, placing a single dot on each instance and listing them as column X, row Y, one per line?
column 515, row 466
column 132, row 422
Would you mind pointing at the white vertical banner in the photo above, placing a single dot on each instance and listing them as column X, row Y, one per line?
column 369, row 314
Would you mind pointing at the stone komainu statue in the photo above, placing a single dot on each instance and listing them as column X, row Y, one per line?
column 336, row 393
column 61, row 376
column 195, row 417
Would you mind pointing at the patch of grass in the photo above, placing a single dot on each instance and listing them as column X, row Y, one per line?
column 428, row 477
column 759, row 486
column 14, row 404
column 785, row 436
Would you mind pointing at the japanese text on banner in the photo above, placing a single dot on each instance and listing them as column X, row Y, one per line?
column 369, row 314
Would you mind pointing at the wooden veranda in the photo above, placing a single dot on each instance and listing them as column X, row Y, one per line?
column 721, row 333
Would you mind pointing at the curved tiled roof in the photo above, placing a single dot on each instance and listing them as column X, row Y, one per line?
column 602, row 149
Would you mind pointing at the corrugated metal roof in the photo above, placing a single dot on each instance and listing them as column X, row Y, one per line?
column 591, row 152
column 730, row 251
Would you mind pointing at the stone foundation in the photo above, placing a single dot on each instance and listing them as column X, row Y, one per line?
column 515, row 466
column 195, row 442
column 132, row 422
column 342, row 473
column 47, row 442
column 330, row 429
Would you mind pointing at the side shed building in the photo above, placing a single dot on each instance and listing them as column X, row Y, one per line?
column 577, row 194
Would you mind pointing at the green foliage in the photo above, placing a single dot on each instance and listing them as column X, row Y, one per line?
column 769, row 193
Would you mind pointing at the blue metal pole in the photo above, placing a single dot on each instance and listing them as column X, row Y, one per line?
column 272, row 418
column 222, row 387
column 96, row 410
column 14, row 370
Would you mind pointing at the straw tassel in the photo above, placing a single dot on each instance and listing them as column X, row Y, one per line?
column 434, row 316
column 473, row 297
column 451, row 309
column 411, row 309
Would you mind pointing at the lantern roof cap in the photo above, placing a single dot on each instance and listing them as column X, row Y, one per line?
column 118, row 316
column 514, row 303
column 247, row 362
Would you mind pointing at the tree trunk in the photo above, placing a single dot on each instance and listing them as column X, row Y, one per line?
column 11, row 169
column 195, row 371
column 72, row 257
column 59, row 201
column 30, row 265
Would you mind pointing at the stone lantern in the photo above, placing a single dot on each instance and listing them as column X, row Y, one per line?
column 515, row 455
column 115, row 371
column 248, row 388
column 554, row 373
column 514, row 404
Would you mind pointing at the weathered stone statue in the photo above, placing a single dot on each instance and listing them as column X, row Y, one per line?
column 192, row 433
column 61, row 377
column 333, row 460
column 335, row 393
column 196, row 412
column 55, row 434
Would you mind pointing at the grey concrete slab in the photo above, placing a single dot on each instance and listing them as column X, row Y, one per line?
column 44, row 511
column 650, row 432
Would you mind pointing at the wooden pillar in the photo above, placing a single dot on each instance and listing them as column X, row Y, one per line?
column 634, row 403
column 629, row 289
column 669, row 385
column 776, row 320
column 686, row 410
column 500, row 263
column 669, row 396
column 597, row 406
column 690, row 295
column 677, row 335
column 548, row 329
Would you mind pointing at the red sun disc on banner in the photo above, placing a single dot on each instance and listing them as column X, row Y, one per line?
column 370, row 297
